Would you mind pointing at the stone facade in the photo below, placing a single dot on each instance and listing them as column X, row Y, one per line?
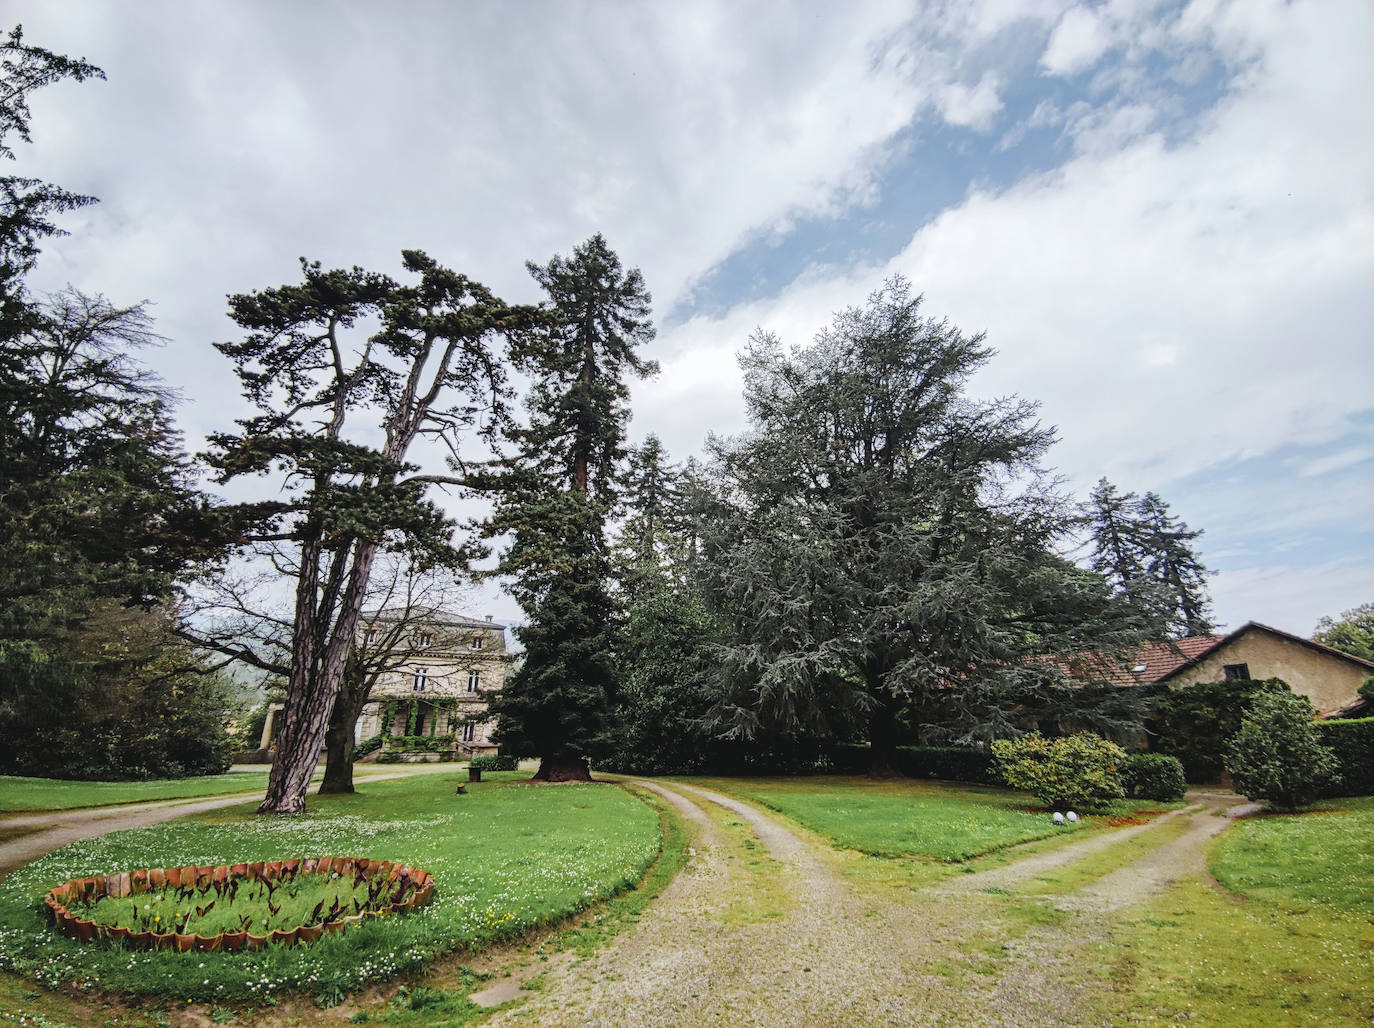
column 441, row 685
column 1327, row 677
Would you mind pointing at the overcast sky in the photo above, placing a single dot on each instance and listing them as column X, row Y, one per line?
column 1161, row 213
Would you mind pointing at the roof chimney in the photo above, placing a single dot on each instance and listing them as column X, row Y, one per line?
column 488, row 617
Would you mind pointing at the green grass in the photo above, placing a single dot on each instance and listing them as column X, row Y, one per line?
column 19, row 794
column 1290, row 942
column 935, row 821
column 54, row 794
column 506, row 858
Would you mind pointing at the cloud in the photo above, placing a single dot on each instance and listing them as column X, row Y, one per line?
column 971, row 107
column 1077, row 43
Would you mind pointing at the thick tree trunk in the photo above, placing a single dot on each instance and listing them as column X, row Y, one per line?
column 567, row 770
column 338, row 743
column 882, row 737
column 314, row 683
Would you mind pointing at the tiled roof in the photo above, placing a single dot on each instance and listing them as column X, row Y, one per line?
column 1155, row 660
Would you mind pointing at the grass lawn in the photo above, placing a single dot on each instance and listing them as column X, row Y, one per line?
column 18, row 794
column 905, row 817
column 1290, row 941
column 506, row 857
column 21, row 794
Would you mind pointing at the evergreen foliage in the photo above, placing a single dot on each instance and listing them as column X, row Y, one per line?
column 883, row 546
column 555, row 497
column 1352, row 632
column 1351, row 741
column 666, row 693
column 428, row 370
column 1146, row 553
column 1277, row 754
column 1153, row 776
column 1190, row 723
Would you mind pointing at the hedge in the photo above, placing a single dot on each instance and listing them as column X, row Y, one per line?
column 494, row 763
column 1352, row 741
column 951, row 763
column 1153, row 776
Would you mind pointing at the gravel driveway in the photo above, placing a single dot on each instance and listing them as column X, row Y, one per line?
column 837, row 951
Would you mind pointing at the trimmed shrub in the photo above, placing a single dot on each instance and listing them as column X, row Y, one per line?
column 1352, row 743
column 496, row 762
column 1153, row 776
column 1277, row 755
column 953, row 763
column 1078, row 771
column 388, row 757
column 1191, row 723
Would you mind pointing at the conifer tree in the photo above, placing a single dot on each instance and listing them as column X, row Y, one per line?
column 649, row 535
column 1146, row 553
column 558, row 493
column 428, row 371
column 883, row 546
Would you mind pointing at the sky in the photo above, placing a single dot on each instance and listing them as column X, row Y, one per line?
column 1160, row 213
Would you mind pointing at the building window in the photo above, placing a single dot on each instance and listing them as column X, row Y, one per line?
column 420, row 681
column 474, row 680
column 424, row 641
column 476, row 642
column 468, row 732
column 1236, row 672
column 370, row 637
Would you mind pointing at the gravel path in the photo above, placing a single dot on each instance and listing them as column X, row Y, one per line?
column 837, row 951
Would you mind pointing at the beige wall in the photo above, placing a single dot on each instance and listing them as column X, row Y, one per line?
column 1325, row 680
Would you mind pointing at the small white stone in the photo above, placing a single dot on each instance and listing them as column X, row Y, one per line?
column 1073, row 816
column 1058, row 818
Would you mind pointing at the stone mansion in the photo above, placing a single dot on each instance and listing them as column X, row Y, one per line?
column 437, row 680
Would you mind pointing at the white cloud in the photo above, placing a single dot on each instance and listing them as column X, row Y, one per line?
column 1077, row 43
column 1292, row 597
column 972, row 107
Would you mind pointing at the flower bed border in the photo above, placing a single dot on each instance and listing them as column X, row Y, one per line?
column 132, row 883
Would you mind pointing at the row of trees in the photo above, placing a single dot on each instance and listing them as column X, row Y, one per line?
column 98, row 510
column 880, row 555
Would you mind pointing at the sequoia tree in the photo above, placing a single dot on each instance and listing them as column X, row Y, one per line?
column 884, row 545
column 428, row 370
column 558, row 492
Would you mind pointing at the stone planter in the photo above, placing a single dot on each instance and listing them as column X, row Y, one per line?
column 128, row 883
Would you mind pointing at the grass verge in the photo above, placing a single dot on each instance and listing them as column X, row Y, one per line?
column 1290, row 942
column 933, row 820
column 506, row 858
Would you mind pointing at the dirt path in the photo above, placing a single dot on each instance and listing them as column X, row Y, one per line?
column 764, row 928
column 44, row 832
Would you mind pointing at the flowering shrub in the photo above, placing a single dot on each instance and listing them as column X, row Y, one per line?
column 1079, row 771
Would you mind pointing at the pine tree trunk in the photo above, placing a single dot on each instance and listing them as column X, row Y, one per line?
column 314, row 684
column 573, row 769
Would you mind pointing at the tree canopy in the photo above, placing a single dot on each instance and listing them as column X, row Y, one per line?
column 1146, row 553
column 885, row 544
column 1351, row 632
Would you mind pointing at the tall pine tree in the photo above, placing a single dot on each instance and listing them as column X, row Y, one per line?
column 557, row 495
column 1146, row 553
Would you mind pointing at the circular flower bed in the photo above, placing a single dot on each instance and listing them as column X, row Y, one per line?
column 382, row 886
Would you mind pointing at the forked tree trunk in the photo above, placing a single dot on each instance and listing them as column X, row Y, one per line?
column 314, row 684
column 573, row 769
